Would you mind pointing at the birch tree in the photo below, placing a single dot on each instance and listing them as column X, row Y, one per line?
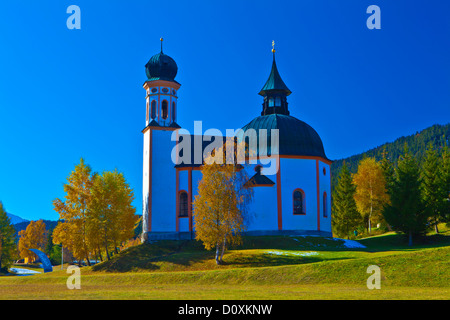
column 371, row 194
column 73, row 232
column 220, row 206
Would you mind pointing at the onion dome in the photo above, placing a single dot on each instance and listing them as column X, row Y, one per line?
column 161, row 67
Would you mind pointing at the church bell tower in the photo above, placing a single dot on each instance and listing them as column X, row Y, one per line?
column 160, row 123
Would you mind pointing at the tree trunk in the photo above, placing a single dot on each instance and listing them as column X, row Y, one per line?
column 106, row 249
column 106, row 243
column 223, row 250
column 107, row 253
column 1, row 251
column 217, row 254
column 436, row 228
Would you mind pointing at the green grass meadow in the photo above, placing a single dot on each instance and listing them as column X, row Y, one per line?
column 276, row 267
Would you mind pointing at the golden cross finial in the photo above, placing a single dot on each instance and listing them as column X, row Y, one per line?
column 273, row 46
column 161, row 39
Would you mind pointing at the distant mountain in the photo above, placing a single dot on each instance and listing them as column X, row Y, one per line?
column 417, row 143
column 16, row 219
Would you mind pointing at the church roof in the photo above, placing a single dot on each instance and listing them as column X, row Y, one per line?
column 274, row 82
column 295, row 136
column 259, row 180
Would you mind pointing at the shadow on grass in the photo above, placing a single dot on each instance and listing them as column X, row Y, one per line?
column 150, row 256
column 191, row 255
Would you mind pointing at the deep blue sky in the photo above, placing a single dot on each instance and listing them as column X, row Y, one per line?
column 66, row 94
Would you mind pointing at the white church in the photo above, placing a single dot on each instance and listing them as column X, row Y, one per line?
column 296, row 199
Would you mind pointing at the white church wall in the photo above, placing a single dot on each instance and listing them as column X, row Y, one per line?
column 145, row 178
column 183, row 180
column 263, row 210
column 298, row 174
column 163, row 183
column 183, row 224
column 196, row 178
column 325, row 186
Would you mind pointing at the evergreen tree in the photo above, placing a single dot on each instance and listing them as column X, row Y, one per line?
column 434, row 193
column 49, row 245
column 417, row 144
column 406, row 212
column 346, row 217
column 387, row 166
column 7, row 240
column 446, row 184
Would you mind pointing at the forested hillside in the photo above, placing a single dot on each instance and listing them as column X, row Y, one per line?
column 417, row 143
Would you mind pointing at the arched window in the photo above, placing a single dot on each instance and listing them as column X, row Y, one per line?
column 299, row 201
column 153, row 111
column 325, row 209
column 173, row 112
column 164, row 109
column 183, row 203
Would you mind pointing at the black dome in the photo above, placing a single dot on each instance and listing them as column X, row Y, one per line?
column 161, row 67
column 295, row 136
